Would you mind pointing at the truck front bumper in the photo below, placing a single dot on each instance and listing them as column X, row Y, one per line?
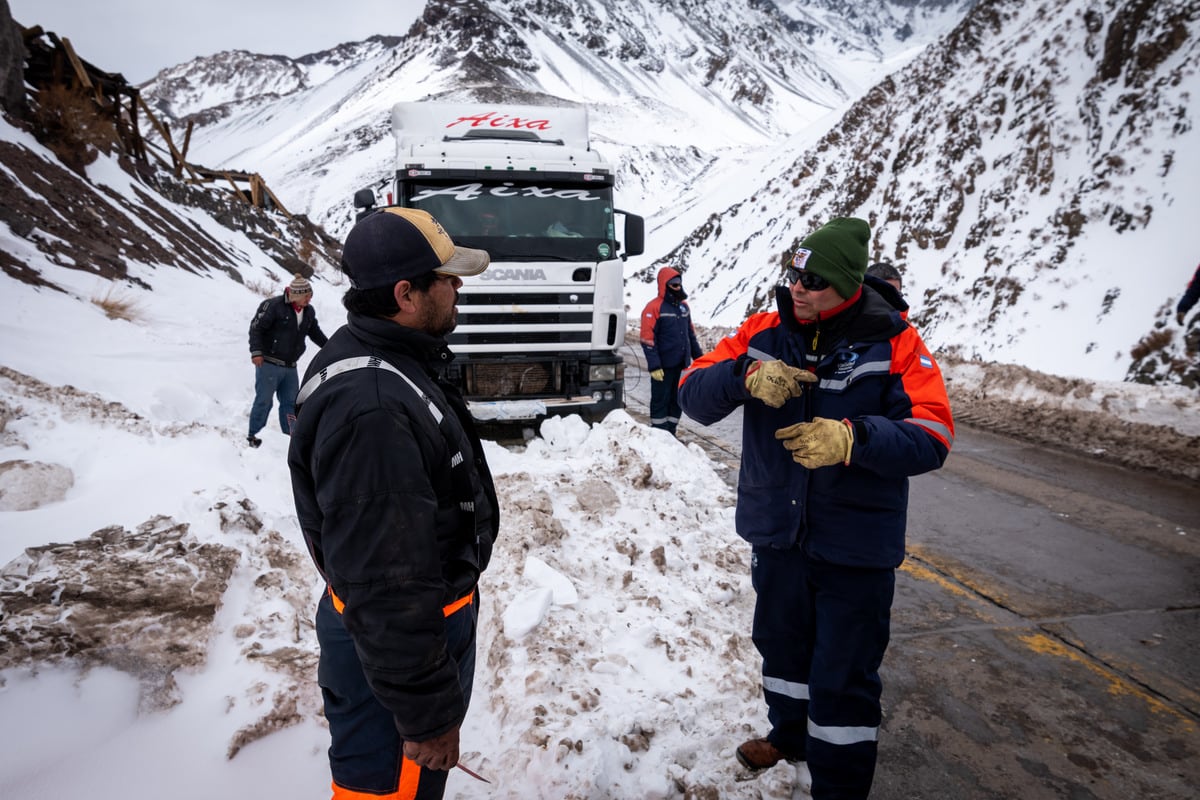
column 587, row 406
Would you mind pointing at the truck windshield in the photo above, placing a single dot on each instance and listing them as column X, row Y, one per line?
column 517, row 220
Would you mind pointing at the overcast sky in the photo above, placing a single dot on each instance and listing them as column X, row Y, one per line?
column 139, row 37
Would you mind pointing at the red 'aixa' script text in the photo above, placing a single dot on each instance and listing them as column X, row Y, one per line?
column 493, row 120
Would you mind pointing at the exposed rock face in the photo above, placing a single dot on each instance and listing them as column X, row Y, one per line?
column 12, row 63
column 146, row 602
column 140, row 601
column 993, row 164
column 80, row 225
column 25, row 485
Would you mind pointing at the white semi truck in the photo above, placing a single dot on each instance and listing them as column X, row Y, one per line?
column 539, row 332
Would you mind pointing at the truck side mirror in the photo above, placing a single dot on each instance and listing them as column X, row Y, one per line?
column 364, row 199
column 635, row 233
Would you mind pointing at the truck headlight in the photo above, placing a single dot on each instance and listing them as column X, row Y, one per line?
column 602, row 372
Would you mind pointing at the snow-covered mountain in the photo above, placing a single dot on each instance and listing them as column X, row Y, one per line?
column 1040, row 157
column 1026, row 160
column 691, row 89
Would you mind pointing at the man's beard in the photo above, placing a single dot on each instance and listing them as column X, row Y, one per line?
column 441, row 325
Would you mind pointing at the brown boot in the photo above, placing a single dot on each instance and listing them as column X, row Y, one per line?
column 759, row 754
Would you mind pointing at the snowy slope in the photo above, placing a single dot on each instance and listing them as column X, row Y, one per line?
column 156, row 599
column 1039, row 159
column 669, row 92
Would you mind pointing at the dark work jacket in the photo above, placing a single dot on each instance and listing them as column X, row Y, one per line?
column 377, row 485
column 874, row 371
column 667, row 335
column 275, row 335
column 1190, row 295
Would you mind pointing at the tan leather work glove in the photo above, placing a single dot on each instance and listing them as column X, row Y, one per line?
column 656, row 374
column 820, row 443
column 775, row 382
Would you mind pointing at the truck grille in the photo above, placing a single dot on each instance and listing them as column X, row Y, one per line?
column 522, row 321
column 519, row 337
column 525, row 379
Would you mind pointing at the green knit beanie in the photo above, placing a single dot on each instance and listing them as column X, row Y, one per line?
column 837, row 251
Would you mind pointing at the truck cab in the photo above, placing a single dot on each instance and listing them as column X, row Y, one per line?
column 539, row 332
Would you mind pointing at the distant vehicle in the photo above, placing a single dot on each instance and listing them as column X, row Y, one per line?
column 540, row 331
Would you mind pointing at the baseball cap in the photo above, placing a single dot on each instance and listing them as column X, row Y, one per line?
column 395, row 244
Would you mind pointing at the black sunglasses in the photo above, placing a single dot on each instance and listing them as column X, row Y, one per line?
column 809, row 280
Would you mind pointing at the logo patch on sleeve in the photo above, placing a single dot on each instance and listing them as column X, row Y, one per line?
column 926, row 362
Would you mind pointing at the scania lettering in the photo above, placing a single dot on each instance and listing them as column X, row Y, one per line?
column 497, row 274
column 540, row 331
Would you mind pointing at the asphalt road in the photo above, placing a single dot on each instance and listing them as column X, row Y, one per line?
column 1046, row 627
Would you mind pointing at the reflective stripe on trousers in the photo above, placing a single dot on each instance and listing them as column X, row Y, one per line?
column 822, row 630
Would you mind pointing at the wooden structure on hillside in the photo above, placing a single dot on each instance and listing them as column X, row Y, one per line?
column 55, row 63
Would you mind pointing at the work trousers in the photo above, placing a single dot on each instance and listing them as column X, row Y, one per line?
column 664, row 400
column 822, row 630
column 284, row 383
column 366, row 753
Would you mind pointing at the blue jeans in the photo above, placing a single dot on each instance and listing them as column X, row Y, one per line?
column 365, row 748
column 284, row 383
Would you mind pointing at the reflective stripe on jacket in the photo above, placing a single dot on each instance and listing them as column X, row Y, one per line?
column 873, row 371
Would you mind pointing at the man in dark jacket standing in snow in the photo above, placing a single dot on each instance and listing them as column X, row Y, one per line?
column 669, row 342
column 1190, row 296
column 277, row 335
column 842, row 402
column 397, row 505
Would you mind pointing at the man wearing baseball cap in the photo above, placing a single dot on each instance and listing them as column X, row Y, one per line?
column 841, row 403
column 397, row 506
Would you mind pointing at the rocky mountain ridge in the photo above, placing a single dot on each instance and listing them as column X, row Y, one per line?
column 1052, row 157
column 666, row 88
column 1012, row 169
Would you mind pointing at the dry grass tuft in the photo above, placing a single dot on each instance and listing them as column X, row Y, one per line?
column 115, row 307
column 262, row 289
column 1153, row 342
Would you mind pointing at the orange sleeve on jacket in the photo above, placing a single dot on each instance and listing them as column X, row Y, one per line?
column 649, row 320
column 923, row 383
column 734, row 345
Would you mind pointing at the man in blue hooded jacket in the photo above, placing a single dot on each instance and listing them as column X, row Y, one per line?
column 669, row 343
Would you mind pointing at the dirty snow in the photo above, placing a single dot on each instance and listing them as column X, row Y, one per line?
column 614, row 650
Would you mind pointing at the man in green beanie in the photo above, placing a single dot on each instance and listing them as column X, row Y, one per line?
column 841, row 403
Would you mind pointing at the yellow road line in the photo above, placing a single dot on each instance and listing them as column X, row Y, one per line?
column 1117, row 685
